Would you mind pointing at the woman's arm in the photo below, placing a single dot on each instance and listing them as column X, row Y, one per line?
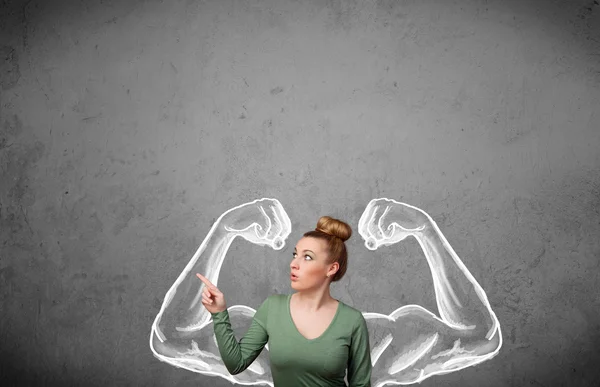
column 359, row 363
column 415, row 343
column 238, row 355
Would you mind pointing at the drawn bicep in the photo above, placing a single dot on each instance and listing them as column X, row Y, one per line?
column 199, row 351
column 412, row 344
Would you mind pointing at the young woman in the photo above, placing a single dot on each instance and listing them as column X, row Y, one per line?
column 313, row 338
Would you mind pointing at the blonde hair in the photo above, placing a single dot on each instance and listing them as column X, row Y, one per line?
column 335, row 232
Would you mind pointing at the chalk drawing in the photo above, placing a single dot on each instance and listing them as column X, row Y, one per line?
column 182, row 333
column 407, row 346
column 412, row 343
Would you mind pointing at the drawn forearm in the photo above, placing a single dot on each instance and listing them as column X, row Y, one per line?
column 461, row 301
column 183, row 333
column 182, row 312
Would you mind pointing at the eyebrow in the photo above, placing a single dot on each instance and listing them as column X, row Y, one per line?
column 295, row 249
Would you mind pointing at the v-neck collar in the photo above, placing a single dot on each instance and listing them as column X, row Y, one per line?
column 295, row 328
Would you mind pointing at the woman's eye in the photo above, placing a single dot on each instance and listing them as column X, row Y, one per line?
column 306, row 257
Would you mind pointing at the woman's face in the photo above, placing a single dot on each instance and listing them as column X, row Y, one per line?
column 309, row 266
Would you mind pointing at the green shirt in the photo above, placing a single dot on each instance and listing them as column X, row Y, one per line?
column 296, row 360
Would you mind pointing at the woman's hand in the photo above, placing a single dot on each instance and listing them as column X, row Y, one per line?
column 386, row 221
column 212, row 298
column 262, row 222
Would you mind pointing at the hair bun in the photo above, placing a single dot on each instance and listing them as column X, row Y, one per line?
column 335, row 227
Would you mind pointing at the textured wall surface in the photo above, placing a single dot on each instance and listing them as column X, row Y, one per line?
column 127, row 128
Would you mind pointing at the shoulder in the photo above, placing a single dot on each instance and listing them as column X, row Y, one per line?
column 270, row 308
column 353, row 315
column 351, row 311
column 275, row 300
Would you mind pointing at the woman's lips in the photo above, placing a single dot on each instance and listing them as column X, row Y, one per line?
column 293, row 277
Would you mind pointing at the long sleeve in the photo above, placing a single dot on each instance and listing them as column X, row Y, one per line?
column 359, row 364
column 237, row 356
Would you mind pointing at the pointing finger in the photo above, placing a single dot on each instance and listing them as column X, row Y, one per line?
column 205, row 280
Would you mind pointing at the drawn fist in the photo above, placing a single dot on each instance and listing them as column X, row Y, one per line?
column 386, row 221
column 262, row 222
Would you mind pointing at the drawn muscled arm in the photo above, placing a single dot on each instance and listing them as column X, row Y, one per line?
column 182, row 332
column 413, row 343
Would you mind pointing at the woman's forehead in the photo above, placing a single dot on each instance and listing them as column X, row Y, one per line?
column 313, row 244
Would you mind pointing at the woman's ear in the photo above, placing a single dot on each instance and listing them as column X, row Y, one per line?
column 333, row 269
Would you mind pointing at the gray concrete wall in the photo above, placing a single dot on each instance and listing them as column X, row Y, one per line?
column 127, row 129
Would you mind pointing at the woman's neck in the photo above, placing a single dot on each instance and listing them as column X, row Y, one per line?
column 313, row 300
